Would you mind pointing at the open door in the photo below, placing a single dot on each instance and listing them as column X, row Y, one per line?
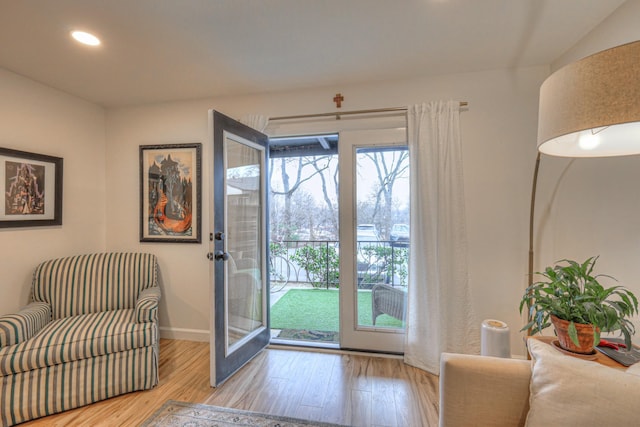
column 240, row 325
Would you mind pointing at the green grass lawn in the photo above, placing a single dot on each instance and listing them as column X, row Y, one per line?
column 317, row 309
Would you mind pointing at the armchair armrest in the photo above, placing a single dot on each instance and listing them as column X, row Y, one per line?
column 483, row 391
column 146, row 310
column 19, row 327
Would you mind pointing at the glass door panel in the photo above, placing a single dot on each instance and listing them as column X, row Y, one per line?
column 382, row 236
column 374, row 200
column 244, row 309
column 240, row 327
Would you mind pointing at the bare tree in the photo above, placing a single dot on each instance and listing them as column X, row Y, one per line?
column 325, row 193
column 298, row 164
column 389, row 165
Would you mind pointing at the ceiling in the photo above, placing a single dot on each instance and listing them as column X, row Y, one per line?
column 160, row 50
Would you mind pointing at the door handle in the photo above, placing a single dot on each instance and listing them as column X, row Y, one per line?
column 220, row 255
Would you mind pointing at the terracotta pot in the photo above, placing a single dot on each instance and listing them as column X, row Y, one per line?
column 585, row 336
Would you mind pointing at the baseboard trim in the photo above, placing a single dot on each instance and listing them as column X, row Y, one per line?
column 184, row 334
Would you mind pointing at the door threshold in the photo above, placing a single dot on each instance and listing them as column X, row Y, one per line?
column 332, row 348
column 301, row 343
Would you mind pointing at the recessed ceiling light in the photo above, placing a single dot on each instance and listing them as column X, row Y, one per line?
column 85, row 38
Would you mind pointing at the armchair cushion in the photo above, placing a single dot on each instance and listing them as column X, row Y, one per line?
column 567, row 391
column 18, row 327
column 75, row 338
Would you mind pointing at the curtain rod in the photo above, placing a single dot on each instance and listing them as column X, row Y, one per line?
column 348, row 113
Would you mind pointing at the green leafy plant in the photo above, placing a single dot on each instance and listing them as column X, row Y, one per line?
column 320, row 263
column 379, row 263
column 277, row 248
column 572, row 292
column 279, row 268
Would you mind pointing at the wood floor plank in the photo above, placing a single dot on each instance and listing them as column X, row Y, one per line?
column 297, row 383
column 361, row 408
column 241, row 390
column 318, row 385
column 349, row 389
column 383, row 398
column 362, row 373
column 270, row 396
column 338, row 402
column 312, row 413
column 419, row 391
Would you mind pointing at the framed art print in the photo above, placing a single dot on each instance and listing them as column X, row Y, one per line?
column 32, row 187
column 170, row 193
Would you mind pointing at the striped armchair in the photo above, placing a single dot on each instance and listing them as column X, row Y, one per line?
column 90, row 333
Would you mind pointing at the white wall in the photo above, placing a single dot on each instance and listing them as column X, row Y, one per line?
column 498, row 131
column 590, row 207
column 42, row 120
column 619, row 28
column 184, row 268
column 586, row 207
column 593, row 209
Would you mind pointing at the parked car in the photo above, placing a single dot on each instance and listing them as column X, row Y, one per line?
column 367, row 233
column 367, row 261
column 399, row 235
column 370, row 266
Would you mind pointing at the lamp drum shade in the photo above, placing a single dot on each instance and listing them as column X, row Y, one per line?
column 591, row 108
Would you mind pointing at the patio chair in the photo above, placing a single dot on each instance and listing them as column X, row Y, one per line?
column 386, row 299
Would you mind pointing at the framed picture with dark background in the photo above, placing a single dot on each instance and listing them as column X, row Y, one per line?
column 32, row 187
column 171, row 193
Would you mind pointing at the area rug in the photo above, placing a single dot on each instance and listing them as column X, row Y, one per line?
column 184, row 414
column 309, row 335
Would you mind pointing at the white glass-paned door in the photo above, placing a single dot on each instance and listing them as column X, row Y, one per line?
column 374, row 201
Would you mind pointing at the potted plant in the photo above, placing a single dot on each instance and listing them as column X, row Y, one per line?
column 572, row 297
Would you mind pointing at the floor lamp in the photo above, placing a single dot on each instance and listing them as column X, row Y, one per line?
column 589, row 108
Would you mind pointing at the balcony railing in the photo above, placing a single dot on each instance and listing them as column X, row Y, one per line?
column 317, row 263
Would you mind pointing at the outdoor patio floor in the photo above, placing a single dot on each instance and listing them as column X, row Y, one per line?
column 316, row 321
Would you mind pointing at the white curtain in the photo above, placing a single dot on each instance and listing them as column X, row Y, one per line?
column 256, row 121
column 439, row 315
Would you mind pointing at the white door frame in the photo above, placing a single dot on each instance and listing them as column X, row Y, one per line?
column 353, row 336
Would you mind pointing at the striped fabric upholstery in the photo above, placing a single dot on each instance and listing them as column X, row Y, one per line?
column 58, row 388
column 91, row 334
column 16, row 328
column 78, row 337
column 147, row 306
column 92, row 283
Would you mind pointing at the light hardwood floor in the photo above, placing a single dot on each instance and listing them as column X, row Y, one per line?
column 349, row 389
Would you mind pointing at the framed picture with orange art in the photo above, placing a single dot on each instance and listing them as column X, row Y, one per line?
column 171, row 193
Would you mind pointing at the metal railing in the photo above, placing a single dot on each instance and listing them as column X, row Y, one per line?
column 316, row 262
